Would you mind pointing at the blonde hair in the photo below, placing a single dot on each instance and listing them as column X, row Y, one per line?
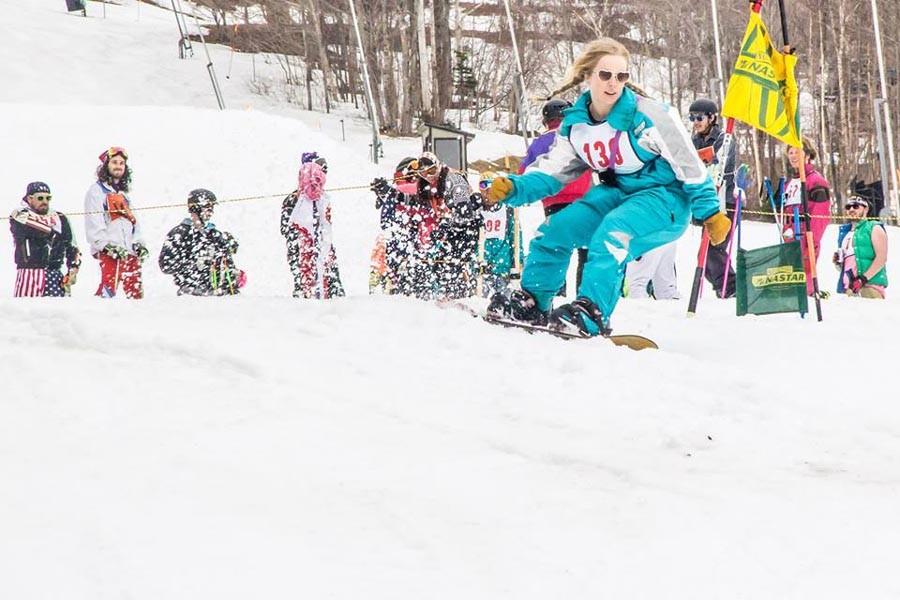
column 580, row 70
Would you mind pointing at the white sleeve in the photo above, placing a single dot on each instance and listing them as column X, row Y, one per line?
column 671, row 140
column 95, row 220
column 560, row 161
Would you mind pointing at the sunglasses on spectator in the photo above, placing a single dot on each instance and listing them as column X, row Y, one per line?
column 42, row 197
column 696, row 117
column 850, row 205
column 621, row 77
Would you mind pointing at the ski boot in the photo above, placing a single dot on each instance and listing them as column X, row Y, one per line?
column 517, row 306
column 580, row 317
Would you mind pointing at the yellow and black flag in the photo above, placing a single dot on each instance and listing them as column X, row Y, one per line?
column 762, row 91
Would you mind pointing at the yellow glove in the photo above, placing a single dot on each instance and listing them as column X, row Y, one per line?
column 501, row 188
column 717, row 227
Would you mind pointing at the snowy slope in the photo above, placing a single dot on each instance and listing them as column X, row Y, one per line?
column 375, row 447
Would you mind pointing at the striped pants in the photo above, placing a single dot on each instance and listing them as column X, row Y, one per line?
column 34, row 283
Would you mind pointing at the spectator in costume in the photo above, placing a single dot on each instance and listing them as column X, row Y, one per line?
column 43, row 242
column 198, row 256
column 113, row 232
column 862, row 252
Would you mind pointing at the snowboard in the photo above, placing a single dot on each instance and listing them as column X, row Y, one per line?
column 632, row 341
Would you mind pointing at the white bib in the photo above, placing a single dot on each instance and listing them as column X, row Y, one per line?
column 494, row 224
column 792, row 192
column 593, row 143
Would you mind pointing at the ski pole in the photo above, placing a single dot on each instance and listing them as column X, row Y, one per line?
column 735, row 226
column 698, row 274
column 770, row 193
column 779, row 195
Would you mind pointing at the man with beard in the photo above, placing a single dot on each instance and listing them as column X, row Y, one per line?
column 708, row 137
column 111, row 228
column 43, row 241
column 199, row 256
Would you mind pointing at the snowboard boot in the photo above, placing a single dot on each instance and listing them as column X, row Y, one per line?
column 580, row 317
column 518, row 305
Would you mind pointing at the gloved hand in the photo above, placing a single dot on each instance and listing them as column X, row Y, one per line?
column 380, row 186
column 140, row 250
column 717, row 227
column 115, row 251
column 857, row 283
column 69, row 280
column 501, row 188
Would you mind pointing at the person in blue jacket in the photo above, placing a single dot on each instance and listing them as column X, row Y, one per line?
column 652, row 184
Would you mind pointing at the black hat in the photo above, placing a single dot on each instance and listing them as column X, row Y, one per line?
column 314, row 157
column 200, row 199
column 37, row 187
column 554, row 108
column 704, row 105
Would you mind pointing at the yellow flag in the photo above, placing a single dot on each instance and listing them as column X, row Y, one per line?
column 762, row 91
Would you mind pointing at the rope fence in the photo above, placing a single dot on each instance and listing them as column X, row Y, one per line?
column 759, row 213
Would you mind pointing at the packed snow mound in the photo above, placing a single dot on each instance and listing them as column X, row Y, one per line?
column 381, row 447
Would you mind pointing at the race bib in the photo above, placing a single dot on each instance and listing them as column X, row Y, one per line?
column 494, row 224
column 792, row 192
column 595, row 145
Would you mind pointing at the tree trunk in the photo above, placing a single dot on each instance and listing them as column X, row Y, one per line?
column 423, row 56
column 443, row 70
column 328, row 79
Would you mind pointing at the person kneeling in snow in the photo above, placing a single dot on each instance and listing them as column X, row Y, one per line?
column 306, row 225
column 200, row 257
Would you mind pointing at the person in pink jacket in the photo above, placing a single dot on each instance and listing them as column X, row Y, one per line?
column 818, row 195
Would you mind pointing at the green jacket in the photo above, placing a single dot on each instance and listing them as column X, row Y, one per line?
column 863, row 250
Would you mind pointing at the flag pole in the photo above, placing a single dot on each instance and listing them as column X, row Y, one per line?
column 719, row 71
column 887, row 114
column 804, row 200
column 756, row 6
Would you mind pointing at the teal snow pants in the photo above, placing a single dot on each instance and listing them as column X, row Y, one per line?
column 615, row 228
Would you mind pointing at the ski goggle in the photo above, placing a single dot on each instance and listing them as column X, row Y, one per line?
column 114, row 151
column 485, row 184
column 621, row 76
column 697, row 117
column 423, row 166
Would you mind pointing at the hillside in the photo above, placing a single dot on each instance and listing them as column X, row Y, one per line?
column 379, row 447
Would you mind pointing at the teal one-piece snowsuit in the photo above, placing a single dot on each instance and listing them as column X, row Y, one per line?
column 660, row 183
